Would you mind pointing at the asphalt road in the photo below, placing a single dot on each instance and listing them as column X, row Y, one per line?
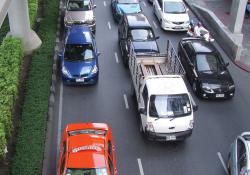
column 216, row 123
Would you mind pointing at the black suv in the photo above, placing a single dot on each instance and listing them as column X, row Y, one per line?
column 205, row 69
column 135, row 29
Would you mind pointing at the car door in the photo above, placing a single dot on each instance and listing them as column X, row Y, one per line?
column 158, row 9
column 143, row 101
column 241, row 162
column 188, row 59
column 113, row 6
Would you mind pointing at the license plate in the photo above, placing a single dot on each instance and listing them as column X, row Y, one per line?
column 219, row 95
column 177, row 27
column 81, row 80
column 170, row 138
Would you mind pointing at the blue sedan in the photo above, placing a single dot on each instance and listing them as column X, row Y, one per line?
column 79, row 58
column 120, row 7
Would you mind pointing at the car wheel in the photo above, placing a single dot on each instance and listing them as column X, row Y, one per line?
column 228, row 165
column 141, row 128
column 194, row 87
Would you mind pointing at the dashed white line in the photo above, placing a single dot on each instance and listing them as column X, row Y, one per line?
column 155, row 24
column 126, row 101
column 104, row 3
column 59, row 117
column 116, row 58
column 222, row 162
column 140, row 166
column 144, row 4
column 109, row 25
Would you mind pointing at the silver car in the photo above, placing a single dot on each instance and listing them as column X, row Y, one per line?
column 80, row 12
column 239, row 156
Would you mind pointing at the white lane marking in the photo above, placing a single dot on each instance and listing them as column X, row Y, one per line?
column 155, row 24
column 109, row 25
column 222, row 162
column 140, row 166
column 104, row 3
column 60, row 116
column 126, row 101
column 116, row 58
column 144, row 4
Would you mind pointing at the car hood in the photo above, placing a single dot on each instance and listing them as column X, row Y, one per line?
column 145, row 46
column 78, row 68
column 129, row 8
column 219, row 78
column 182, row 17
column 79, row 16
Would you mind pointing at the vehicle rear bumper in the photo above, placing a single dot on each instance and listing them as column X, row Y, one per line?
column 163, row 136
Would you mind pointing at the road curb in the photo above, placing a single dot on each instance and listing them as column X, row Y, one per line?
column 53, row 87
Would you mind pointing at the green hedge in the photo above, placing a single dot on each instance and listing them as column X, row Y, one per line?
column 32, row 127
column 10, row 63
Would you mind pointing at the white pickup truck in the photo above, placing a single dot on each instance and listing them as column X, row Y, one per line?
column 164, row 103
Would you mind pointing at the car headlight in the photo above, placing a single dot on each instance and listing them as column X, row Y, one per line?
column 94, row 70
column 187, row 22
column 66, row 22
column 207, row 88
column 167, row 21
column 150, row 127
column 191, row 124
column 231, row 87
column 65, row 72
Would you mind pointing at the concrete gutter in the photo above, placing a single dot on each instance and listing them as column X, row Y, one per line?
column 4, row 5
column 229, row 42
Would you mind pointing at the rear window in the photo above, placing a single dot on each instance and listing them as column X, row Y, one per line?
column 79, row 5
column 87, row 131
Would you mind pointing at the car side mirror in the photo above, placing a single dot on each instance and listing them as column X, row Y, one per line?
column 94, row 6
column 59, row 56
column 98, row 54
column 187, row 9
column 195, row 107
column 227, row 64
column 157, row 37
column 142, row 110
column 191, row 64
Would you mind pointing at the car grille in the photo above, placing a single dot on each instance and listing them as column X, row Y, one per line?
column 80, row 76
column 223, row 88
column 177, row 23
column 78, row 22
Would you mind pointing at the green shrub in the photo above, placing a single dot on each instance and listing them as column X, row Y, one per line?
column 32, row 127
column 10, row 63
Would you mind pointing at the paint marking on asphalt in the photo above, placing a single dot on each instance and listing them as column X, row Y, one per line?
column 155, row 24
column 116, row 58
column 109, row 25
column 104, row 3
column 60, row 116
column 126, row 101
column 140, row 166
column 144, row 4
column 222, row 162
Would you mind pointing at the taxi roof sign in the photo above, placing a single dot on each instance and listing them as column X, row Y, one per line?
column 87, row 147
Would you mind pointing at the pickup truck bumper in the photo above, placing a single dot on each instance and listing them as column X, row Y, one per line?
column 167, row 136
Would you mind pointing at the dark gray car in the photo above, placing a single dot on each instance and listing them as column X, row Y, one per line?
column 80, row 12
column 239, row 155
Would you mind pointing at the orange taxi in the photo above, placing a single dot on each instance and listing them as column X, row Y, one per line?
column 87, row 149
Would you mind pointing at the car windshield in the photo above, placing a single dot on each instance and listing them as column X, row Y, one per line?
column 208, row 63
column 141, row 34
column 169, row 106
column 90, row 171
column 174, row 7
column 79, row 5
column 128, row 1
column 79, row 52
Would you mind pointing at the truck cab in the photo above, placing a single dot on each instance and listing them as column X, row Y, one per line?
column 134, row 29
column 166, row 110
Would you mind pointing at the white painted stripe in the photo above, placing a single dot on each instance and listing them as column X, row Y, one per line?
column 126, row 101
column 140, row 166
column 109, row 25
column 222, row 162
column 155, row 24
column 59, row 129
column 104, row 3
column 116, row 58
column 144, row 4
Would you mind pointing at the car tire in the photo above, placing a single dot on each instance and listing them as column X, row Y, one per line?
column 228, row 165
column 141, row 129
column 194, row 87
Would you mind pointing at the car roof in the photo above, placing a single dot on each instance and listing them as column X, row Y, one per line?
column 86, row 150
column 137, row 20
column 170, row 84
column 200, row 45
column 79, row 34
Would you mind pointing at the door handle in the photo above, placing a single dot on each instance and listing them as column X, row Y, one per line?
column 171, row 127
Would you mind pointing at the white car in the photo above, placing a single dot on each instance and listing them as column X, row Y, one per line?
column 172, row 14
